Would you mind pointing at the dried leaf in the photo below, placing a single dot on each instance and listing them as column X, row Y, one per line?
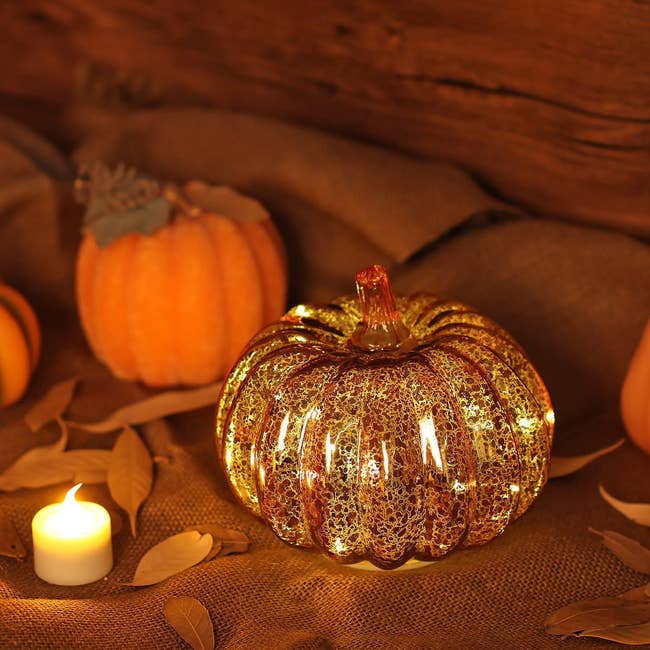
column 130, row 474
column 49, row 465
column 105, row 190
column 171, row 556
column 120, row 201
column 91, row 475
column 191, row 620
column 145, row 219
column 152, row 408
column 626, row 634
column 600, row 613
column 52, row 405
column 628, row 551
column 37, row 469
column 564, row 616
column 217, row 544
column 565, row 465
column 637, row 512
column 10, row 543
column 230, row 540
column 27, row 468
column 638, row 593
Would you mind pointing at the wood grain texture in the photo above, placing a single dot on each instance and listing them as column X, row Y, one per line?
column 548, row 103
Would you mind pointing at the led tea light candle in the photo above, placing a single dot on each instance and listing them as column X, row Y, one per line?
column 72, row 541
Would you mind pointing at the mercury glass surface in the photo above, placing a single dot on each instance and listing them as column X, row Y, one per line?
column 383, row 430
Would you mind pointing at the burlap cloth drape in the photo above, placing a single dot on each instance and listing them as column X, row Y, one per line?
column 576, row 298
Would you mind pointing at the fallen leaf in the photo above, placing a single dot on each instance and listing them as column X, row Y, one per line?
column 629, row 551
column 217, row 544
column 191, row 620
column 91, row 475
column 562, row 621
column 637, row 593
column 130, row 474
column 145, row 219
column 159, row 430
column 160, row 433
column 639, row 513
column 231, row 541
column 600, row 613
column 565, row 465
column 27, row 466
column 10, row 543
column 120, row 201
column 52, row 405
column 171, row 556
column 50, row 464
column 626, row 634
column 152, row 408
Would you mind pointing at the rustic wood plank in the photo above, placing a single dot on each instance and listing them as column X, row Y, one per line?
column 548, row 103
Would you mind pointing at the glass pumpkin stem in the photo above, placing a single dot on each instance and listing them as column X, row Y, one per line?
column 381, row 326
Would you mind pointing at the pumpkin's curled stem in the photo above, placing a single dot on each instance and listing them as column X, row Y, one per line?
column 381, row 326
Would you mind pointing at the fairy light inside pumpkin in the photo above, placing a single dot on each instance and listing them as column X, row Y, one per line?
column 330, row 448
column 283, row 432
column 458, row 486
column 527, row 423
column 300, row 310
column 429, row 441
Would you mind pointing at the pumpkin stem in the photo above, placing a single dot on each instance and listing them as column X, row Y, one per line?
column 381, row 326
column 178, row 201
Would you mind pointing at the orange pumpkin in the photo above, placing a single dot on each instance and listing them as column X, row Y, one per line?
column 635, row 396
column 177, row 305
column 20, row 345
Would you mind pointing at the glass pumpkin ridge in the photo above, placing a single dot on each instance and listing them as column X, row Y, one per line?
column 385, row 429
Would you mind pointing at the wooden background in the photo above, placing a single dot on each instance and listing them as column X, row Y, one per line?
column 548, row 103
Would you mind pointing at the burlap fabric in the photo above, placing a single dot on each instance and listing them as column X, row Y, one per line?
column 576, row 298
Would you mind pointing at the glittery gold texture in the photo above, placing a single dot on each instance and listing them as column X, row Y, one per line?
column 383, row 430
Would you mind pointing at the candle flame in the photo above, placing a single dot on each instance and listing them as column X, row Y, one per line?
column 70, row 500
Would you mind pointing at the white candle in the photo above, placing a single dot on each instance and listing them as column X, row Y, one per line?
column 72, row 541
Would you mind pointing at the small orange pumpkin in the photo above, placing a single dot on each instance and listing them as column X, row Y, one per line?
column 172, row 282
column 635, row 396
column 20, row 345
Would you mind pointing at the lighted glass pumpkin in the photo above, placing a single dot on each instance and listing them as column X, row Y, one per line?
column 383, row 430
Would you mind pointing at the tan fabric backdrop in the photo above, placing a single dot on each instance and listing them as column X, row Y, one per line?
column 576, row 298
